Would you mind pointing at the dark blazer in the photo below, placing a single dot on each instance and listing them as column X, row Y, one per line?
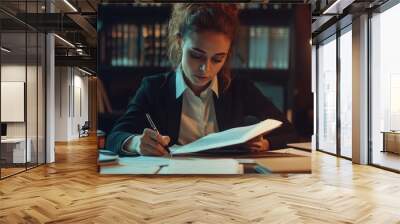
column 157, row 96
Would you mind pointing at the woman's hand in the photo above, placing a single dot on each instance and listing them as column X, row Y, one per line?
column 258, row 144
column 152, row 143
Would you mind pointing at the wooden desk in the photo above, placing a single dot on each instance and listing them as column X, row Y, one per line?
column 279, row 161
column 13, row 150
column 301, row 145
column 295, row 161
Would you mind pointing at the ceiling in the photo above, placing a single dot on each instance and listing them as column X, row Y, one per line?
column 76, row 24
column 76, row 21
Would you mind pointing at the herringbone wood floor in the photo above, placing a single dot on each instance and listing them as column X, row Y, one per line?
column 71, row 191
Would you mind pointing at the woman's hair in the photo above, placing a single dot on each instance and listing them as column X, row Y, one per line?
column 187, row 18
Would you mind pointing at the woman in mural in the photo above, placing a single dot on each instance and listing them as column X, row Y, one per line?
column 200, row 95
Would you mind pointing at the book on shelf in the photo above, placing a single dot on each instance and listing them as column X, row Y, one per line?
column 279, row 39
column 137, row 45
column 268, row 47
column 252, row 47
column 164, row 45
column 148, row 50
column 125, row 48
column 120, row 45
column 157, row 44
column 133, row 35
column 113, row 46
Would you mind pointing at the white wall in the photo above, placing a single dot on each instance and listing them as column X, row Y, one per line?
column 62, row 81
column 80, row 101
column 71, row 94
column 13, row 73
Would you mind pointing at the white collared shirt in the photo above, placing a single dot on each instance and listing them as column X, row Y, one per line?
column 198, row 117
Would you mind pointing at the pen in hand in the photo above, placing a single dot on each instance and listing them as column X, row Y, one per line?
column 153, row 126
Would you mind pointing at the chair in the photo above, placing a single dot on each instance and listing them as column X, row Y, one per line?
column 84, row 130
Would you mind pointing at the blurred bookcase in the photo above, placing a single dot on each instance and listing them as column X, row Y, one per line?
column 132, row 38
column 131, row 45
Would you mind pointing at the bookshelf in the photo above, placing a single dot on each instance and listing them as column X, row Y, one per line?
column 134, row 45
column 262, row 47
column 143, row 43
column 132, row 36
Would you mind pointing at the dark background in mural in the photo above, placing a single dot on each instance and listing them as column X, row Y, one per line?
column 273, row 50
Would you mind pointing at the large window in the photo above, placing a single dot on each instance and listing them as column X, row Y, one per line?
column 327, row 95
column 385, row 88
column 335, row 74
column 345, row 92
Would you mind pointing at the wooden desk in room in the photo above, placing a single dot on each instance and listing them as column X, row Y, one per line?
column 282, row 161
column 391, row 141
column 13, row 150
column 291, row 161
column 301, row 145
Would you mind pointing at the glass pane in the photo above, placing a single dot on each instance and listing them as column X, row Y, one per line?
column 385, row 86
column 23, row 81
column 41, row 99
column 346, row 94
column 13, row 87
column 327, row 96
column 31, row 100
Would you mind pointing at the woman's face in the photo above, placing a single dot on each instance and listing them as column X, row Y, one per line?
column 203, row 55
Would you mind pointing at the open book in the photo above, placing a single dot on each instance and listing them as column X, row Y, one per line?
column 228, row 137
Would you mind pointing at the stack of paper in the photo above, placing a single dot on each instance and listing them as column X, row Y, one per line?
column 165, row 165
column 107, row 158
column 202, row 166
